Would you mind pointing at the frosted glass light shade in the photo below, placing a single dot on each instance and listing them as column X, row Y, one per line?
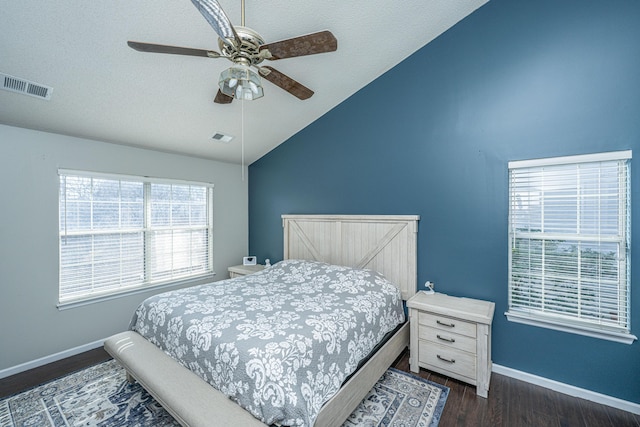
column 241, row 82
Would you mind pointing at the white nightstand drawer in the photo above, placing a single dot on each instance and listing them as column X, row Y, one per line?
column 448, row 339
column 448, row 324
column 243, row 270
column 452, row 360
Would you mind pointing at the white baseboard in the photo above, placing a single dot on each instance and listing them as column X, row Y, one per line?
column 48, row 359
column 570, row 390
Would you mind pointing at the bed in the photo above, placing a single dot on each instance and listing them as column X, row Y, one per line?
column 381, row 245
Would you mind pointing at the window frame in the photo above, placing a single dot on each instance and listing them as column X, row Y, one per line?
column 578, row 324
column 147, row 229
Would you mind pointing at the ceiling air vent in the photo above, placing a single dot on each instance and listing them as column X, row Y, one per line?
column 221, row 137
column 25, row 87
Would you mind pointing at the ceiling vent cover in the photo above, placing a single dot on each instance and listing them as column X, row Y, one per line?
column 25, row 87
column 221, row 137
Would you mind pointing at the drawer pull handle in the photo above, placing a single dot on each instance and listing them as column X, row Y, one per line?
column 445, row 359
column 449, row 325
column 446, row 339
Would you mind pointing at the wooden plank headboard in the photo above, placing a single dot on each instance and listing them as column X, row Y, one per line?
column 384, row 243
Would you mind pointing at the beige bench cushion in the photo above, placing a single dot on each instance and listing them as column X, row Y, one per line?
column 187, row 397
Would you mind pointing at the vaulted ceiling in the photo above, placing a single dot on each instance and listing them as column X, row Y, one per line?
column 106, row 91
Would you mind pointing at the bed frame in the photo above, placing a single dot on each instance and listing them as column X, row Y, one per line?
column 383, row 243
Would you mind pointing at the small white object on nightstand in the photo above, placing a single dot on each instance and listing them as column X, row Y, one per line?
column 249, row 260
column 429, row 288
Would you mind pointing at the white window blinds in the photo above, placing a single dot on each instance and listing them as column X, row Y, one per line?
column 569, row 231
column 122, row 233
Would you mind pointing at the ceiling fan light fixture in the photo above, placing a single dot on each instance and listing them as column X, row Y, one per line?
column 241, row 82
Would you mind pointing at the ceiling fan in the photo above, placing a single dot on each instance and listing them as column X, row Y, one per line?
column 246, row 48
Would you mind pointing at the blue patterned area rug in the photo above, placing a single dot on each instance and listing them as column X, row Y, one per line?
column 101, row 396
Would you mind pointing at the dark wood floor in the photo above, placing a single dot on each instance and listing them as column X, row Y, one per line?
column 31, row 378
column 511, row 403
column 514, row 403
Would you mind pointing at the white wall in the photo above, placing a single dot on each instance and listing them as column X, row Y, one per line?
column 31, row 326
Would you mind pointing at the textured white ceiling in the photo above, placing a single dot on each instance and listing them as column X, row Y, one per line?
column 106, row 91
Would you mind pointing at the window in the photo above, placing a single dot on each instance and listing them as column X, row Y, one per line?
column 119, row 234
column 569, row 243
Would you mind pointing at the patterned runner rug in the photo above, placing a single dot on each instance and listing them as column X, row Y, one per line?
column 101, row 396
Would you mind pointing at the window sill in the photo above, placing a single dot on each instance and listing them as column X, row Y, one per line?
column 621, row 337
column 132, row 291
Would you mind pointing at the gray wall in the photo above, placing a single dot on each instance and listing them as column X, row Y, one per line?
column 32, row 326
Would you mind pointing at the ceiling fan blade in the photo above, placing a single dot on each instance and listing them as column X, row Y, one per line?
column 310, row 44
column 222, row 98
column 215, row 16
column 176, row 50
column 287, row 83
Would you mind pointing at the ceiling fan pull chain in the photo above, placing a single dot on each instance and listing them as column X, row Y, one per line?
column 242, row 137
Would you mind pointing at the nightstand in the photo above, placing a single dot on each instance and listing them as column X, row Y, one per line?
column 243, row 270
column 452, row 336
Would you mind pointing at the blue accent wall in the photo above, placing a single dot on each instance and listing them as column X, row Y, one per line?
column 515, row 80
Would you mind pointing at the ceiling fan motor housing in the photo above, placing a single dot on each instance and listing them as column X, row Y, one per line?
column 248, row 52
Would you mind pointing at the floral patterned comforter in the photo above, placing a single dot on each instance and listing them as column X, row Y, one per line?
column 279, row 342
